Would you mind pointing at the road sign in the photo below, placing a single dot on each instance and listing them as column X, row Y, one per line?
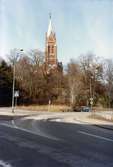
column 91, row 102
column 16, row 94
column 91, row 99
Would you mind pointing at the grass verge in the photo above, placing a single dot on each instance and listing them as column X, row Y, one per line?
column 99, row 117
column 50, row 108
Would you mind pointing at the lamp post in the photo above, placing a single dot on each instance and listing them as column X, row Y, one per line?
column 93, row 79
column 13, row 87
column 91, row 96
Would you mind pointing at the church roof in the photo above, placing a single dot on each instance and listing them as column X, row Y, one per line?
column 50, row 28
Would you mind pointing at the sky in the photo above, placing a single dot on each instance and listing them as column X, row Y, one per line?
column 81, row 26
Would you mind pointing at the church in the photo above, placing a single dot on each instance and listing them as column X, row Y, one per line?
column 51, row 61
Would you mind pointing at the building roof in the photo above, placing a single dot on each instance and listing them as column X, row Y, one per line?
column 50, row 27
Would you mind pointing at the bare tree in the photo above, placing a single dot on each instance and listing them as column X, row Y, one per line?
column 36, row 56
column 74, row 80
column 92, row 70
column 109, row 80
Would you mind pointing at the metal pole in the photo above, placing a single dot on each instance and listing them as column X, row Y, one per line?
column 15, row 101
column 13, row 89
column 91, row 96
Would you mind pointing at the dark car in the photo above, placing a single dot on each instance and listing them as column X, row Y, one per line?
column 76, row 108
column 85, row 109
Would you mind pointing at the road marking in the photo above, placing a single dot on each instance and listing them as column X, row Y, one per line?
column 13, row 122
column 27, row 131
column 4, row 164
column 40, row 132
column 96, row 136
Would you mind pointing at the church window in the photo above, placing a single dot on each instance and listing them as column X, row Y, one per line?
column 52, row 49
column 49, row 49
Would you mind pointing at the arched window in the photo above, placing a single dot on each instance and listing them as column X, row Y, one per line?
column 49, row 49
column 52, row 49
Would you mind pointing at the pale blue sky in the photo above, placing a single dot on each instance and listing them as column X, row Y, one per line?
column 81, row 26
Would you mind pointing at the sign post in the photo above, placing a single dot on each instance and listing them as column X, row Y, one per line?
column 16, row 95
column 91, row 102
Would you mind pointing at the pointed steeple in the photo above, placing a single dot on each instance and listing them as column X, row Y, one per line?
column 51, row 62
column 50, row 28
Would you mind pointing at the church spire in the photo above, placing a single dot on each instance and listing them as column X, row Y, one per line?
column 50, row 16
column 50, row 28
column 51, row 62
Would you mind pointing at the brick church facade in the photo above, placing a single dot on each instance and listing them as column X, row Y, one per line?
column 51, row 61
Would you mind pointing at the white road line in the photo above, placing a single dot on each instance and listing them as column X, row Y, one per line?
column 96, row 136
column 4, row 164
column 26, row 130
column 40, row 132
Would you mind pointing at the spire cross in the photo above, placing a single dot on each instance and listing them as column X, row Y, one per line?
column 50, row 16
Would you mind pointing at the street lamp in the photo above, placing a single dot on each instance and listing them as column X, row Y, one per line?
column 13, row 87
column 91, row 93
column 92, row 89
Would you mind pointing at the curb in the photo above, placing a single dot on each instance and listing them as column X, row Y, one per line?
column 104, row 127
column 100, row 126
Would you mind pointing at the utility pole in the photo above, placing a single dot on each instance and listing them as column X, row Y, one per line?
column 91, row 96
column 13, row 87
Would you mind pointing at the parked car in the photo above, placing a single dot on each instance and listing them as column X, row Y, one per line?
column 85, row 109
column 81, row 109
column 76, row 108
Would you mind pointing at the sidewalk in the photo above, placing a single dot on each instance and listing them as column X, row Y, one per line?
column 72, row 117
column 86, row 118
column 18, row 112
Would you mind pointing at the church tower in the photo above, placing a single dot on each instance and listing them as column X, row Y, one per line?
column 51, row 49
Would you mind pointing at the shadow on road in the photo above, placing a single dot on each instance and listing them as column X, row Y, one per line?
column 9, row 117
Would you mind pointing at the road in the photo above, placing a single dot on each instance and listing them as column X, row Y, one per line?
column 55, row 144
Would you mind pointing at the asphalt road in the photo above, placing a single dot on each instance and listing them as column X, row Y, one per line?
column 56, row 144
